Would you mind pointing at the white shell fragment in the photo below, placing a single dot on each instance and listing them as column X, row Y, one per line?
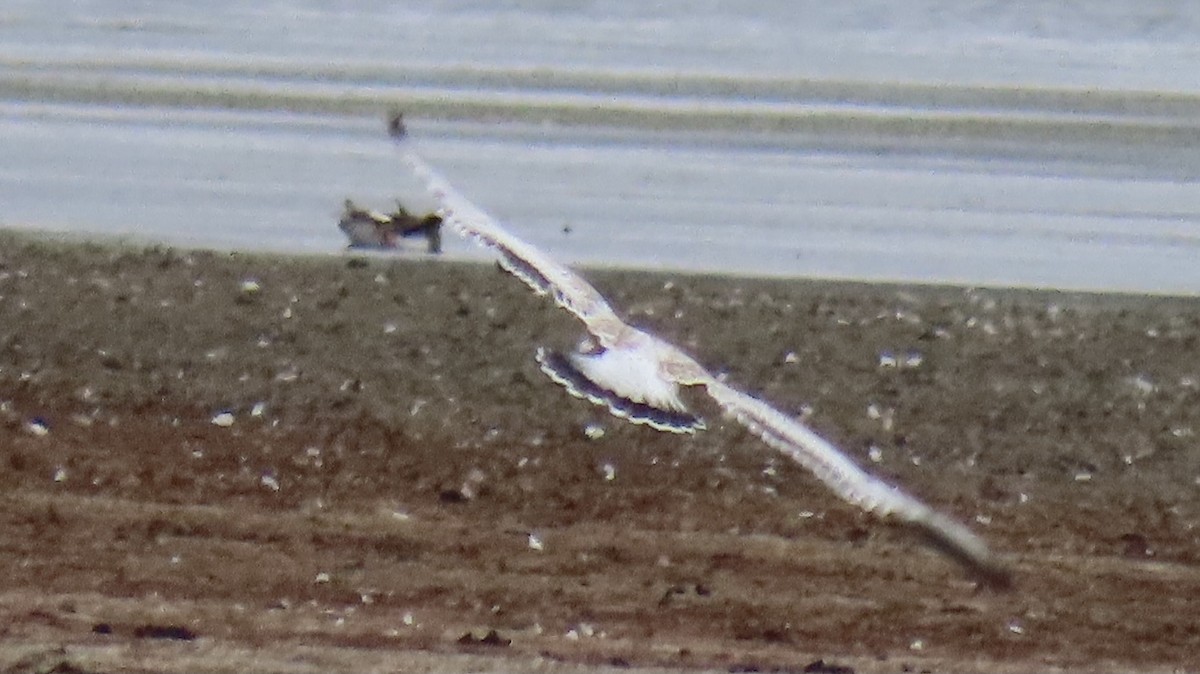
column 610, row 471
column 38, row 427
column 270, row 482
column 535, row 542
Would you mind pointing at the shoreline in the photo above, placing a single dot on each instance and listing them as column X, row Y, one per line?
column 414, row 253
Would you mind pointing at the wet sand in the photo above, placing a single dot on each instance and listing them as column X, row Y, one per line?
column 397, row 487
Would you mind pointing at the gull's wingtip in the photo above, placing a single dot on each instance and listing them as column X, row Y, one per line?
column 396, row 127
column 994, row 576
column 959, row 544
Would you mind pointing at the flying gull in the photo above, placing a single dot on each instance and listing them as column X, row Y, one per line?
column 637, row 376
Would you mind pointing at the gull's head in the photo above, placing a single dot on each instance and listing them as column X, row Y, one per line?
column 588, row 347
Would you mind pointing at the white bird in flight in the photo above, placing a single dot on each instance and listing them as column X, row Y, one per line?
column 637, row 376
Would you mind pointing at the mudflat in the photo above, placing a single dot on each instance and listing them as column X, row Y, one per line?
column 215, row 462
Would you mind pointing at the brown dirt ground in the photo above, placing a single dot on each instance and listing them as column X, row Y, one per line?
column 377, row 514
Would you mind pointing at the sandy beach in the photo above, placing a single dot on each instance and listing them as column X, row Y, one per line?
column 220, row 462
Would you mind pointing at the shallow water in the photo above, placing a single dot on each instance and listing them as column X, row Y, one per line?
column 1022, row 144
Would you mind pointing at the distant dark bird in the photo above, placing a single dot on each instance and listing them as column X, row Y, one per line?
column 371, row 229
column 407, row 225
column 366, row 228
column 637, row 376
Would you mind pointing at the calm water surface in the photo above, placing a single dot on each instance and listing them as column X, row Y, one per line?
column 1021, row 143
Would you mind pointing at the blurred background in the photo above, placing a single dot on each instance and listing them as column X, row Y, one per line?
column 1024, row 143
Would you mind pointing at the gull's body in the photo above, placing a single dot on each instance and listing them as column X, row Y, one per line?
column 637, row 376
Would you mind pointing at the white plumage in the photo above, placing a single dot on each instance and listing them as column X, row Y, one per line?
column 637, row 376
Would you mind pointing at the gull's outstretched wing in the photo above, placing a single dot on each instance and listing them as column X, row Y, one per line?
column 855, row 485
column 522, row 260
